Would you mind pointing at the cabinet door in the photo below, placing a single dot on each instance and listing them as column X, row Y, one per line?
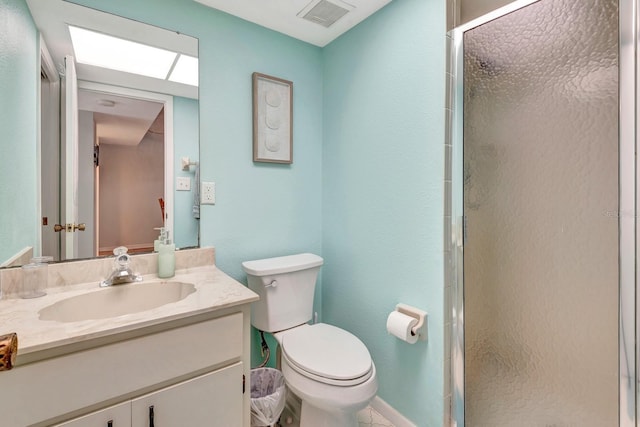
column 211, row 400
column 114, row 416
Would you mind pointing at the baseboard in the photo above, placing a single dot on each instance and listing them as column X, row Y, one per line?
column 387, row 411
column 132, row 248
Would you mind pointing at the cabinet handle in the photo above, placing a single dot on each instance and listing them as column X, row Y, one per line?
column 110, row 423
column 151, row 416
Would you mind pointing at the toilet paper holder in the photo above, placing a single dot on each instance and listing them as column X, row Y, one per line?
column 420, row 328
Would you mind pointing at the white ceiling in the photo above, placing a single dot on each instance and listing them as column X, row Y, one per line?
column 282, row 16
column 124, row 121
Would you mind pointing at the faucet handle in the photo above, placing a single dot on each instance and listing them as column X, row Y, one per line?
column 122, row 272
column 120, row 250
column 122, row 257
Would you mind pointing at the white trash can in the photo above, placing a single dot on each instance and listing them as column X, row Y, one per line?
column 268, row 396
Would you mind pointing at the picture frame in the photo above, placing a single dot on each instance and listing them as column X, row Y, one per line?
column 272, row 119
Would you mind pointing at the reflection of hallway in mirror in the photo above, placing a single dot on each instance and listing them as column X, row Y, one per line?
column 127, row 182
column 131, row 182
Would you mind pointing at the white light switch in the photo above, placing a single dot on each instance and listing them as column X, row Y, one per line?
column 183, row 183
column 208, row 193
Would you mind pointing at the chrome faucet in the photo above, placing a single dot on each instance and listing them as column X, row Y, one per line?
column 122, row 272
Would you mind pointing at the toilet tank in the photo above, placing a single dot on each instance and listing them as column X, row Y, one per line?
column 286, row 286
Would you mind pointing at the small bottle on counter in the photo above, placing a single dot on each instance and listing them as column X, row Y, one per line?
column 166, row 258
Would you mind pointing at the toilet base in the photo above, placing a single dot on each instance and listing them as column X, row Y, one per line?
column 313, row 416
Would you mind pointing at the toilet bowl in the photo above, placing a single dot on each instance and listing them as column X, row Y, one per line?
column 328, row 368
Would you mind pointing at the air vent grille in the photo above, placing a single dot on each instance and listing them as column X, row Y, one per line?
column 325, row 13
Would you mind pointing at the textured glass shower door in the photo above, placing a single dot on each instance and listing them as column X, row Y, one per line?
column 541, row 288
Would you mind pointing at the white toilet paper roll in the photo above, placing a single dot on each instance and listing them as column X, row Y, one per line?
column 400, row 325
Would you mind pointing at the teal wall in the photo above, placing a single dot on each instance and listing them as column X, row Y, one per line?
column 19, row 55
column 185, row 144
column 383, row 156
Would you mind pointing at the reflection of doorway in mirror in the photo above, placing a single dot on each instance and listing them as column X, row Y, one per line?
column 122, row 180
column 131, row 180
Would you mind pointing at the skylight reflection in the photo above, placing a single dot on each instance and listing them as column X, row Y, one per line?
column 185, row 71
column 105, row 51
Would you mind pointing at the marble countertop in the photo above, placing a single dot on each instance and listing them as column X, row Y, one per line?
column 214, row 291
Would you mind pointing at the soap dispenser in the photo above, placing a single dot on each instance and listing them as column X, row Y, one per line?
column 166, row 258
column 159, row 240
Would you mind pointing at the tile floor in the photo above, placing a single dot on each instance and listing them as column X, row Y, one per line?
column 368, row 417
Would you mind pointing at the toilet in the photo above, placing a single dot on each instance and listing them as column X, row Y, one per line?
column 328, row 368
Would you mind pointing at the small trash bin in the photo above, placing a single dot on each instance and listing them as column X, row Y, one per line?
column 268, row 396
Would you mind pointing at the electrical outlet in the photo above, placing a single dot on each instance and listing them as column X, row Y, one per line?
column 183, row 183
column 208, row 193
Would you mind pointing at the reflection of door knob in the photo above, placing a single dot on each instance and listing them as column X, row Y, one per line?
column 58, row 228
column 70, row 228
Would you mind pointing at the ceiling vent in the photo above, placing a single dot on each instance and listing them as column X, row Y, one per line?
column 324, row 12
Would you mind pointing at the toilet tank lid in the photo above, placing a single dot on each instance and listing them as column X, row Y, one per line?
column 283, row 264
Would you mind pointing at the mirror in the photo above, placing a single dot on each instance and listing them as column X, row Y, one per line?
column 112, row 139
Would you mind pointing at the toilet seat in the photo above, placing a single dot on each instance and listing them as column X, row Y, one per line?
column 327, row 354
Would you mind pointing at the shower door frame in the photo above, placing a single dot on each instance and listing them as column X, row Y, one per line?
column 629, row 205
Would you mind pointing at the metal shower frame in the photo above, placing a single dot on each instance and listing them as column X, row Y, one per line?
column 629, row 235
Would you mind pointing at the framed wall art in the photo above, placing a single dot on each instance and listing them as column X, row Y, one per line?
column 272, row 119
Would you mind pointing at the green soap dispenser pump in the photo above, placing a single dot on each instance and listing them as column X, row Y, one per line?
column 161, row 238
column 166, row 258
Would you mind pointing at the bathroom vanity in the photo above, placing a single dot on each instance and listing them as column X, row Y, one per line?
column 182, row 363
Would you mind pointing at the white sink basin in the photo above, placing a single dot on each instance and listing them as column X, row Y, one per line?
column 116, row 301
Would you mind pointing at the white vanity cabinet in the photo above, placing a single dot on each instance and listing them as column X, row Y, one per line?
column 188, row 357
column 213, row 399
column 114, row 416
column 192, row 371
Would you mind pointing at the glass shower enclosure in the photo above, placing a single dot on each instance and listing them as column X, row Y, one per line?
column 543, row 216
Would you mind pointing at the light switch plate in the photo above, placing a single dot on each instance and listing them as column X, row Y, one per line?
column 183, row 183
column 208, row 193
